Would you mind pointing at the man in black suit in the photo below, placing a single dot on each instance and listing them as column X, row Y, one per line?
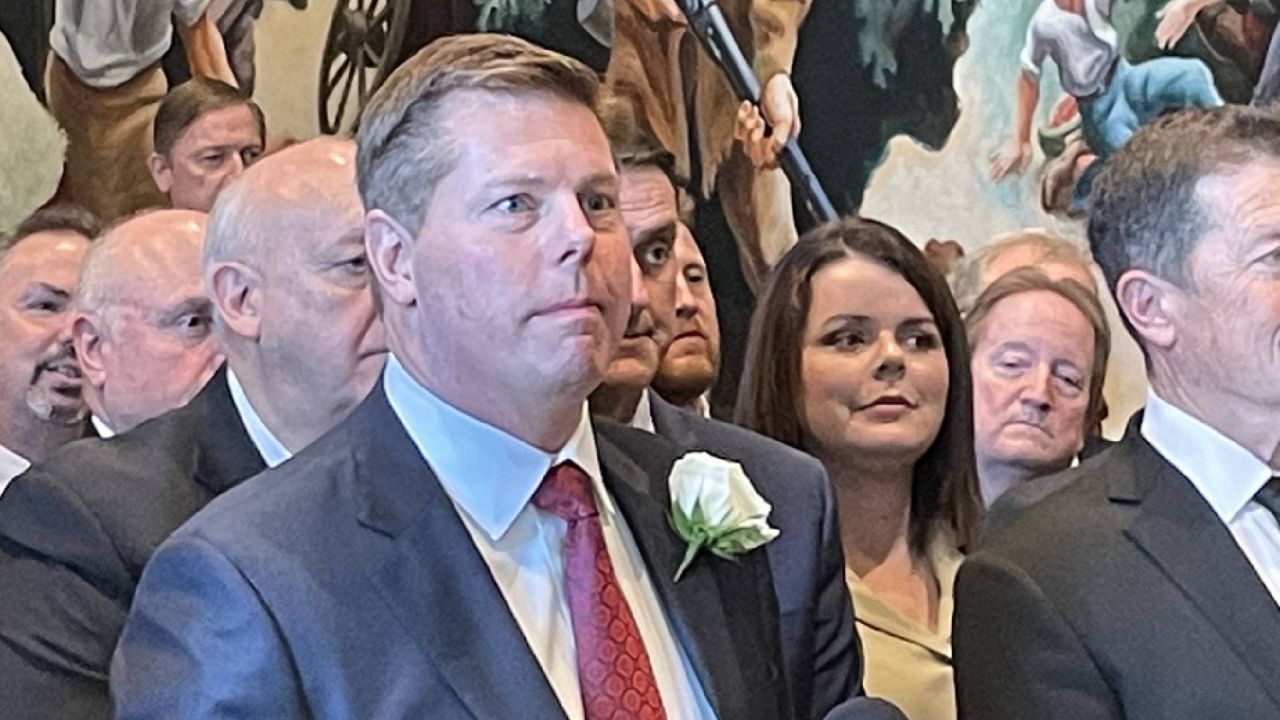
column 823, row 659
column 1147, row 585
column 285, row 270
column 469, row 543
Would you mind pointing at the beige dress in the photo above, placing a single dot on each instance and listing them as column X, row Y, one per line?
column 903, row 661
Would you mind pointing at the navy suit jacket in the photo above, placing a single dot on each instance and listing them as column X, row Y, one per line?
column 344, row 584
column 819, row 640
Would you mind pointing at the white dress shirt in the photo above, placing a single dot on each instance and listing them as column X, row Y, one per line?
column 1227, row 475
column 643, row 417
column 491, row 477
column 273, row 451
column 11, row 466
column 1084, row 47
column 101, row 427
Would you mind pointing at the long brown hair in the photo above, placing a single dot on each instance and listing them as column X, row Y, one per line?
column 944, row 486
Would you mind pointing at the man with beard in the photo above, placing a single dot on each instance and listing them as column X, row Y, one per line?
column 691, row 362
column 819, row 644
column 284, row 268
column 40, row 403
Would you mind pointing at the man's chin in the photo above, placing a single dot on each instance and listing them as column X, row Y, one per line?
column 630, row 372
column 57, row 406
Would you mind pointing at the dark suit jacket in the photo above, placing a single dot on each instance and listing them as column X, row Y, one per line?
column 344, row 584
column 1010, row 505
column 819, row 641
column 1121, row 595
column 75, row 533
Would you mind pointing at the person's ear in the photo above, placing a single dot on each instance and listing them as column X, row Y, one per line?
column 86, row 338
column 389, row 249
column 1152, row 305
column 161, row 172
column 236, row 292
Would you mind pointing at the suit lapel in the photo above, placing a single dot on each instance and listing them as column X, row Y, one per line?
column 1179, row 531
column 227, row 454
column 669, row 423
column 697, row 606
column 435, row 581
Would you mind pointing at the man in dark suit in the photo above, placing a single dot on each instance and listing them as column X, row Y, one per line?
column 1147, row 586
column 469, row 543
column 823, row 660
column 77, row 530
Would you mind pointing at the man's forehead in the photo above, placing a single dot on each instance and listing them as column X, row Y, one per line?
column 1038, row 317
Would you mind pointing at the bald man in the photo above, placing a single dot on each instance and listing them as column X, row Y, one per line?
column 284, row 269
column 142, row 322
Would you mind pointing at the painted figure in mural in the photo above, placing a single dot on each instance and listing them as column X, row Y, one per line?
column 1239, row 30
column 870, row 70
column 1113, row 97
column 104, row 84
column 682, row 99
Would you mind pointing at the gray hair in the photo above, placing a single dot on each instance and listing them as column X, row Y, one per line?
column 404, row 150
column 1144, row 210
column 967, row 276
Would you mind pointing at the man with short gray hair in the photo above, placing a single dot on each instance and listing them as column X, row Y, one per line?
column 141, row 326
column 1055, row 256
column 1148, row 586
column 469, row 543
column 284, row 268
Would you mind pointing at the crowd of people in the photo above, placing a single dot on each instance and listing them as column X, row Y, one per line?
column 404, row 426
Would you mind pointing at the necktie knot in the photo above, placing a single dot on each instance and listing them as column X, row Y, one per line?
column 566, row 492
column 1269, row 496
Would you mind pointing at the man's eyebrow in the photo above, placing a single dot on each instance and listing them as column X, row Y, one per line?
column 666, row 233
column 51, row 289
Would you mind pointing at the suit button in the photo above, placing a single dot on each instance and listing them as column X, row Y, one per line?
column 773, row 672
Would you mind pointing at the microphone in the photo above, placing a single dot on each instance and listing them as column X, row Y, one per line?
column 864, row 708
column 709, row 26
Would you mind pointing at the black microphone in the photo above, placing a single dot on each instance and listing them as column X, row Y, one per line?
column 709, row 26
column 864, row 708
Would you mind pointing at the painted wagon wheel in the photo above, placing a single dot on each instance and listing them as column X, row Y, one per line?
column 362, row 48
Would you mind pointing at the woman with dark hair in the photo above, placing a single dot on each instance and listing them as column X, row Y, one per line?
column 858, row 356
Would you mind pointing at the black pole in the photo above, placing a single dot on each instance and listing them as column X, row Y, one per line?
column 708, row 24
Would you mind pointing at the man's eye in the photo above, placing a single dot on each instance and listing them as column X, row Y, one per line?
column 195, row 324
column 654, row 255
column 599, row 202
column 514, row 204
column 47, row 306
column 250, row 154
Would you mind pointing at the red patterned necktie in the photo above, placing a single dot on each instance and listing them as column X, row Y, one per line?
column 613, row 666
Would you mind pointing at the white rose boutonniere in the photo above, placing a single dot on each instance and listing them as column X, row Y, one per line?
column 714, row 506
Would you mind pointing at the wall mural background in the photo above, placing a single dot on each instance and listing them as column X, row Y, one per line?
column 903, row 103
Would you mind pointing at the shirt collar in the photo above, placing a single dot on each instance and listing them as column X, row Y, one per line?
column 489, row 474
column 643, row 417
column 702, row 405
column 1225, row 474
column 273, row 451
column 101, row 427
column 11, row 465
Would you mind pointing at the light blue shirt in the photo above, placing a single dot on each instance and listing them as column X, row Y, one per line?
column 1226, row 475
column 491, row 477
column 273, row 451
